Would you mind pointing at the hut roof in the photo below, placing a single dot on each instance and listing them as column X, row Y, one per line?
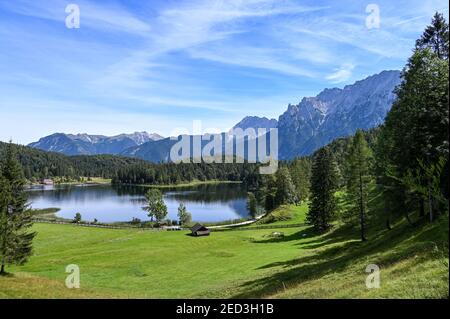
column 198, row 227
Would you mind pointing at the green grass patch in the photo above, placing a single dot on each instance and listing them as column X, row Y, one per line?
column 285, row 215
column 235, row 264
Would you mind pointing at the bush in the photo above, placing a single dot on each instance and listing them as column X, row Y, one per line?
column 135, row 221
column 77, row 218
column 276, row 216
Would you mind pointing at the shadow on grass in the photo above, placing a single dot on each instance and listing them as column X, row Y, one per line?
column 339, row 234
column 6, row 275
column 302, row 234
column 386, row 248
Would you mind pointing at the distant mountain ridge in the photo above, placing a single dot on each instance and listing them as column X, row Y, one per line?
column 256, row 122
column 334, row 113
column 85, row 144
column 302, row 128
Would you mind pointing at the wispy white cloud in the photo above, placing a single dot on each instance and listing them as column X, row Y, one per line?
column 251, row 57
column 206, row 58
column 106, row 17
column 342, row 74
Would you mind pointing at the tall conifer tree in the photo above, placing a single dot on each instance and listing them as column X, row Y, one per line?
column 358, row 179
column 323, row 188
column 15, row 218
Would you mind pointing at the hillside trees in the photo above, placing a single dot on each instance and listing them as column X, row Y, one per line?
column 285, row 189
column 415, row 134
column 436, row 37
column 300, row 170
column 39, row 164
column 323, row 188
column 252, row 204
column 15, row 219
column 358, row 179
column 276, row 190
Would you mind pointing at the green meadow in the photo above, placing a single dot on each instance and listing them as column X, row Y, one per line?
column 249, row 263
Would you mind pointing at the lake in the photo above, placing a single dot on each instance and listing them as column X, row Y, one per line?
column 108, row 203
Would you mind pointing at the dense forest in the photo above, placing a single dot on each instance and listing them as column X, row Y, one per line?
column 39, row 164
column 171, row 173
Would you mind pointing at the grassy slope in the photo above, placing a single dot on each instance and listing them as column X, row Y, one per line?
column 296, row 215
column 130, row 263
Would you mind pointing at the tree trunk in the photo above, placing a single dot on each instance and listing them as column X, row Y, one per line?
column 422, row 208
column 2, row 270
column 388, row 216
column 361, row 208
column 408, row 219
column 430, row 203
column 388, row 224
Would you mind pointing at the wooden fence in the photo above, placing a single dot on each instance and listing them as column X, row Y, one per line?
column 46, row 221
column 235, row 228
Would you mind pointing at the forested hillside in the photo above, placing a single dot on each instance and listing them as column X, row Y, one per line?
column 39, row 164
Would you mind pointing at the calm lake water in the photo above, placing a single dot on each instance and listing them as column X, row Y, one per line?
column 106, row 203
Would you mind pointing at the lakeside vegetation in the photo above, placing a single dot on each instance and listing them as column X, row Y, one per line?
column 62, row 181
column 191, row 184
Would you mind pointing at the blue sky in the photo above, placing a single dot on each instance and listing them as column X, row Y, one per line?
column 158, row 65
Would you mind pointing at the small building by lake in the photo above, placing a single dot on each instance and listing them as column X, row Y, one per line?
column 46, row 181
column 200, row 230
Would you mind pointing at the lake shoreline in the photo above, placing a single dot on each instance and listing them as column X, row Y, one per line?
column 190, row 184
column 211, row 203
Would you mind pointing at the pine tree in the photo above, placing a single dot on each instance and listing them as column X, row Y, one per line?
column 300, row 170
column 15, row 218
column 323, row 188
column 285, row 193
column 269, row 190
column 252, row 204
column 417, row 125
column 436, row 37
column 358, row 178
column 415, row 134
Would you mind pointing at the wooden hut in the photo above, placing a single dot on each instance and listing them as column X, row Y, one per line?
column 200, row 230
column 47, row 181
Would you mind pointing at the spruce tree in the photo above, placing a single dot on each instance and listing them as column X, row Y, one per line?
column 300, row 170
column 358, row 179
column 269, row 190
column 285, row 193
column 436, row 37
column 417, row 125
column 252, row 204
column 323, row 188
column 415, row 133
column 15, row 217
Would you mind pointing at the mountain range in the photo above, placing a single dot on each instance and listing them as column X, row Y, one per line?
column 256, row 122
column 302, row 128
column 334, row 113
column 85, row 144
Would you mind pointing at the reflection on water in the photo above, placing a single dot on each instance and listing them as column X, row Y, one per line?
column 106, row 203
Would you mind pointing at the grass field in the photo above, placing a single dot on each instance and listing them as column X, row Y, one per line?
column 234, row 264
